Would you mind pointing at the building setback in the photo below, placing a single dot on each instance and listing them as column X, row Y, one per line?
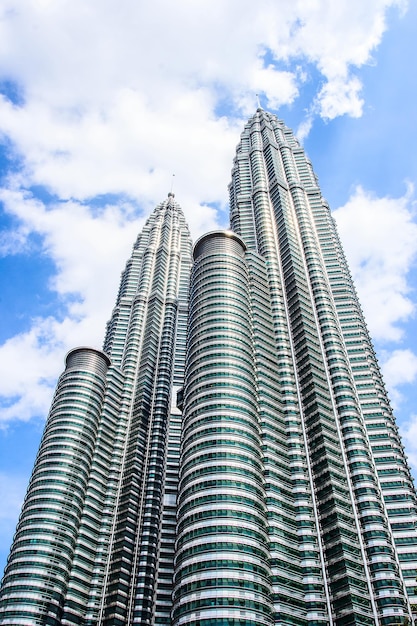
column 278, row 493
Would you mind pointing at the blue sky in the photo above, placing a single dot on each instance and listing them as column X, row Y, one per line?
column 100, row 105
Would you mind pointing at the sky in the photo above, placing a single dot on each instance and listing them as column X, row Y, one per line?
column 104, row 105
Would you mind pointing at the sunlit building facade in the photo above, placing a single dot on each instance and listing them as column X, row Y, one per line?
column 96, row 536
column 251, row 475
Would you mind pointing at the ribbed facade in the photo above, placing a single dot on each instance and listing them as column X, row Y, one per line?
column 231, row 457
column 56, row 531
column 222, row 556
column 338, row 487
column 95, row 540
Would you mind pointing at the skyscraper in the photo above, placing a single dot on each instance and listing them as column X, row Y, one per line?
column 95, row 540
column 278, row 492
column 278, row 209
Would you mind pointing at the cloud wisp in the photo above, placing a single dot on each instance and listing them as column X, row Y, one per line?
column 380, row 240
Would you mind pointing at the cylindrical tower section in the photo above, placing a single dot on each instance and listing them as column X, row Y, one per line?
column 37, row 571
column 222, row 568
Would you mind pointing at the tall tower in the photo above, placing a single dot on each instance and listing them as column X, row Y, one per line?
column 95, row 539
column 287, row 429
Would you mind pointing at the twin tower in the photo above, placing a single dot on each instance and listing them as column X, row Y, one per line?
column 231, row 457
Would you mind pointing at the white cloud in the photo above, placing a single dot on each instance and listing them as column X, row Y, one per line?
column 337, row 38
column 379, row 236
column 399, row 368
column 12, row 491
column 409, row 437
column 81, row 244
column 116, row 99
column 340, row 97
column 127, row 149
column 29, row 365
column 304, row 128
column 11, row 488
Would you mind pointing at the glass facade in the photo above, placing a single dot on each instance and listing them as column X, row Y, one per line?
column 231, row 457
column 222, row 556
column 95, row 540
column 328, row 431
